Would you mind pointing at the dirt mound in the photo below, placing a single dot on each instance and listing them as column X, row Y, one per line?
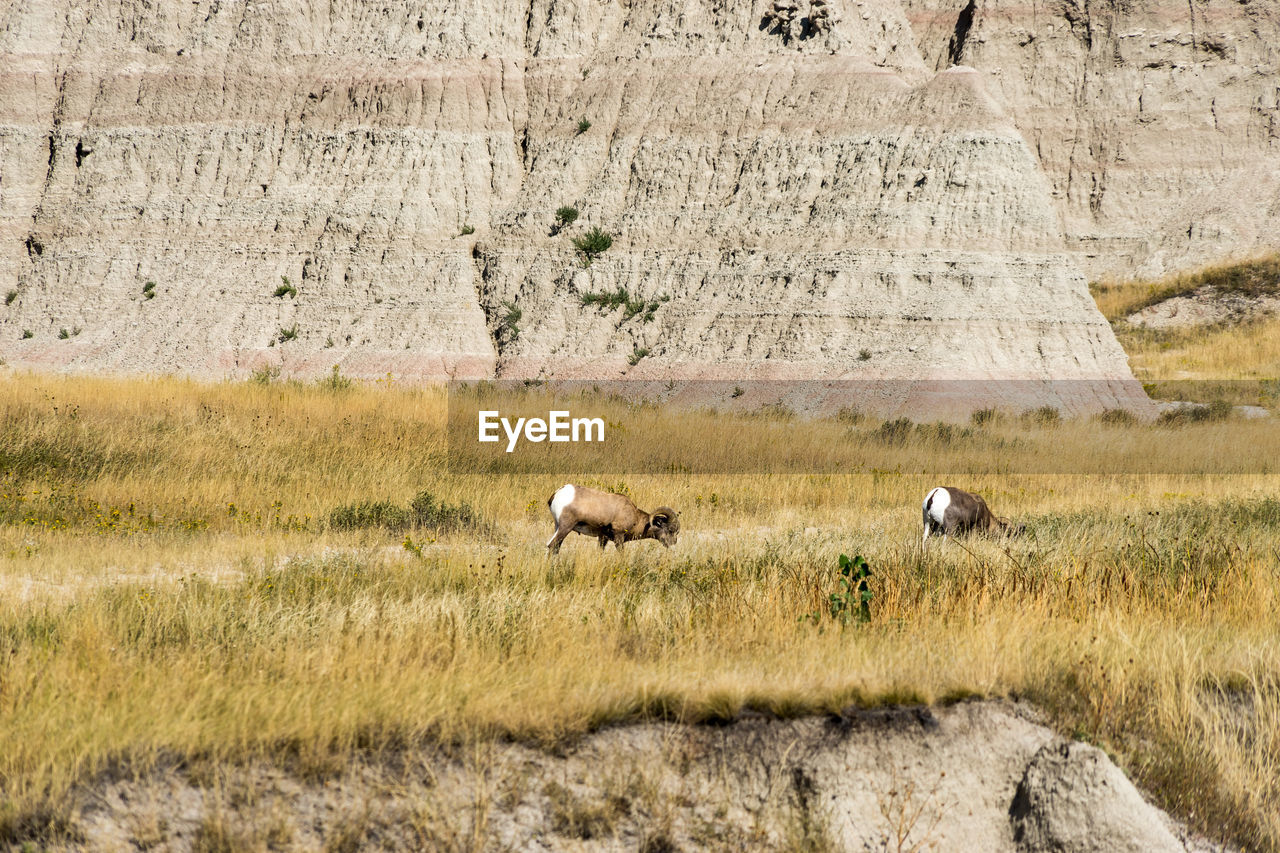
column 975, row 776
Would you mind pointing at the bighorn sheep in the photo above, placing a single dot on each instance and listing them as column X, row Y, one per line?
column 948, row 510
column 608, row 517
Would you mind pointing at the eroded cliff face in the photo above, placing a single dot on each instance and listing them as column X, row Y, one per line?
column 789, row 184
column 1157, row 121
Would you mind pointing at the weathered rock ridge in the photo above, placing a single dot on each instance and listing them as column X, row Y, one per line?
column 791, row 185
column 975, row 776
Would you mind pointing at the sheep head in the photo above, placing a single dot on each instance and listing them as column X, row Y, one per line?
column 664, row 525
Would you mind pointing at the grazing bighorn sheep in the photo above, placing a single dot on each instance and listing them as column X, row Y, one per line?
column 608, row 517
column 948, row 510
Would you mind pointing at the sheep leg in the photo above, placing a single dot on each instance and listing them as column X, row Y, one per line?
column 618, row 539
column 562, row 530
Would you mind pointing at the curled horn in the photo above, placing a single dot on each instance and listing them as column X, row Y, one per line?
column 665, row 516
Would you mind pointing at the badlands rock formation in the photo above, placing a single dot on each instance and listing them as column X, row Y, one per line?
column 1157, row 121
column 802, row 188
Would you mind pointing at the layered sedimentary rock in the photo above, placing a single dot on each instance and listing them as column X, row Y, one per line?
column 794, row 189
column 1157, row 121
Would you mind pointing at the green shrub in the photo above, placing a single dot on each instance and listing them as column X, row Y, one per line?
column 620, row 298
column 511, row 319
column 335, row 381
column 583, row 126
column 1218, row 410
column 366, row 514
column 149, row 290
column 426, row 510
column 10, row 296
column 864, row 354
column 565, row 216
column 467, row 230
column 264, row 375
column 592, row 244
column 288, row 334
column 1044, row 416
column 851, row 602
column 636, row 355
column 895, row 431
column 982, row 417
column 1117, row 417
column 27, row 333
column 286, row 288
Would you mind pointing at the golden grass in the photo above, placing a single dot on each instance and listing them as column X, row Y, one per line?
column 1249, row 351
column 1139, row 613
column 1245, row 351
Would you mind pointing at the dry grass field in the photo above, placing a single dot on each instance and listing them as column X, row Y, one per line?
column 221, row 573
column 1245, row 355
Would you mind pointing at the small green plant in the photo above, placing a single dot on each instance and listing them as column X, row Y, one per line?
column 851, row 602
column 286, row 288
column 636, row 355
column 63, row 334
column 565, row 216
column 27, row 333
column 414, row 548
column 468, row 229
column 288, row 334
column 854, row 590
column 620, row 298
column 149, row 290
column 511, row 319
column 737, row 392
column 607, row 300
column 335, row 381
column 864, row 354
column 583, row 126
column 264, row 375
column 593, row 244
column 10, row 296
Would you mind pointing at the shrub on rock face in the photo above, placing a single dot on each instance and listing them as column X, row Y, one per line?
column 565, row 216
column 593, row 244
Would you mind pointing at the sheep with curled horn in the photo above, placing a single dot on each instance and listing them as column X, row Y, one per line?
column 608, row 517
column 949, row 511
